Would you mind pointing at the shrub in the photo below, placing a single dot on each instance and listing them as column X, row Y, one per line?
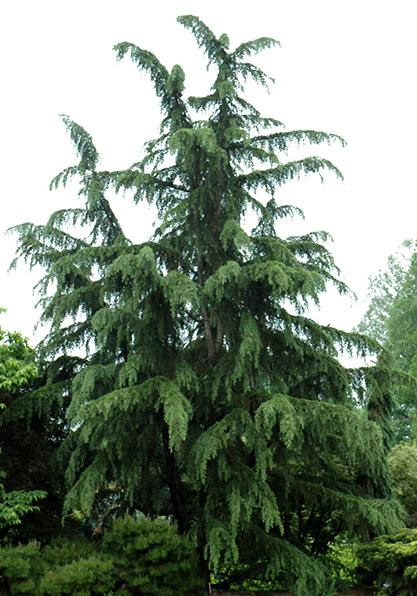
column 64, row 550
column 135, row 558
column 20, row 568
column 342, row 561
column 403, row 464
column 82, row 577
column 152, row 558
column 16, row 503
column 389, row 563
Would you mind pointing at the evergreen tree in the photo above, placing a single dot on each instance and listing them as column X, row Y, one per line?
column 207, row 392
column 403, row 464
column 391, row 319
column 382, row 290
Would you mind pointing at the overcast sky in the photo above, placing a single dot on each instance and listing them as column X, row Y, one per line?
column 344, row 66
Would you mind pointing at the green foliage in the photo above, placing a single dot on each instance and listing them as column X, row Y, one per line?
column 206, row 392
column 17, row 362
column 389, row 564
column 30, row 569
column 343, row 561
column 61, row 550
column 391, row 319
column 28, row 487
column 152, row 558
column 83, row 577
column 382, row 290
column 15, row 504
column 20, row 568
column 402, row 321
column 136, row 557
column 17, row 369
column 403, row 464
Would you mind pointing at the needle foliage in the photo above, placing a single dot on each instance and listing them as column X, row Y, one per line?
column 207, row 392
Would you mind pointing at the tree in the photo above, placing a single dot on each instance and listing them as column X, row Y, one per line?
column 207, row 393
column 382, row 290
column 15, row 504
column 391, row 318
column 402, row 321
column 403, row 463
column 32, row 424
column 17, row 369
column 17, row 366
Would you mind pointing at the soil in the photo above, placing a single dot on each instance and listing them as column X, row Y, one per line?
column 354, row 592
column 357, row 593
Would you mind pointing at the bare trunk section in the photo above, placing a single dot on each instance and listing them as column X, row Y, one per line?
column 219, row 335
column 174, row 484
column 206, row 315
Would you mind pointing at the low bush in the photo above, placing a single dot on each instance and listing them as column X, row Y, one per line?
column 403, row 465
column 20, row 568
column 134, row 558
column 152, row 558
column 65, row 550
column 389, row 564
column 342, row 561
column 95, row 575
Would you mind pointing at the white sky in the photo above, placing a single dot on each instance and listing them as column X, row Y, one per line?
column 345, row 66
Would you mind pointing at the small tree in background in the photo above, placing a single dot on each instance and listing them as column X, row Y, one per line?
column 207, row 393
column 382, row 290
column 391, row 319
column 17, row 363
column 15, row 504
column 17, row 370
column 403, row 464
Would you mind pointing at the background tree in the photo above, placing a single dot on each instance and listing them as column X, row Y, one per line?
column 392, row 319
column 206, row 392
column 17, row 370
column 403, row 463
column 32, row 425
column 17, row 363
column 382, row 290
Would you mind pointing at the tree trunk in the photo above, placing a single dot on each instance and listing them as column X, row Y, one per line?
column 174, row 484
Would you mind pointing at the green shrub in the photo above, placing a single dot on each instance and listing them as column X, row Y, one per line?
column 65, row 550
column 152, row 558
column 82, row 577
column 342, row 561
column 403, row 464
column 16, row 503
column 135, row 558
column 20, row 568
column 389, row 563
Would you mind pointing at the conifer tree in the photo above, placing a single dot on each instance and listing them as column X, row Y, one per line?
column 206, row 392
column 391, row 319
